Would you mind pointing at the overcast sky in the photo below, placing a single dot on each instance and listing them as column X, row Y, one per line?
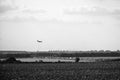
column 60, row 24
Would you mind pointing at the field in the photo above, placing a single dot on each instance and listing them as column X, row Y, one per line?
column 61, row 71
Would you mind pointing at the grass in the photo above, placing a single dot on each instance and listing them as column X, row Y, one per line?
column 61, row 71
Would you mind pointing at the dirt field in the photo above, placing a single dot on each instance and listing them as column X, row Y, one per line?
column 61, row 71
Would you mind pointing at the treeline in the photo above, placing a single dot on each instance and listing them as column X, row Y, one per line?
column 112, row 54
column 17, row 54
column 25, row 54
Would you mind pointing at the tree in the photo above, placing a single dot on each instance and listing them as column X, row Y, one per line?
column 11, row 60
column 77, row 59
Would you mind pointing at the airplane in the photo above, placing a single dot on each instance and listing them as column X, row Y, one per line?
column 39, row 41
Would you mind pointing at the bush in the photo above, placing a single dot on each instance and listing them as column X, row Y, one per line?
column 11, row 60
column 77, row 59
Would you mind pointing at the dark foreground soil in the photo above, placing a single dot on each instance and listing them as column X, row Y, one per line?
column 60, row 71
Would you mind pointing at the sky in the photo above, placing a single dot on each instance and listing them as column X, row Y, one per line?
column 60, row 24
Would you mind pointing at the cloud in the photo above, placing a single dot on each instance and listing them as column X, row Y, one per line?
column 93, row 11
column 116, row 12
column 7, row 5
column 13, row 5
column 14, row 9
column 26, row 15
column 4, row 9
column 30, row 11
column 49, row 10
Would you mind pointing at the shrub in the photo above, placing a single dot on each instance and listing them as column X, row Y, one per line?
column 77, row 59
column 11, row 60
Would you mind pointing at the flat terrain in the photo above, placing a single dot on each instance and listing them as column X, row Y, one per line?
column 61, row 71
